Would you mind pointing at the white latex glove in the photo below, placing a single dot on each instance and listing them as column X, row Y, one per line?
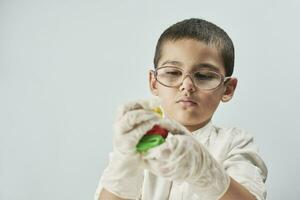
column 182, row 158
column 124, row 174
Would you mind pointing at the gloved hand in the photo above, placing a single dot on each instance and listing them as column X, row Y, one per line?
column 182, row 158
column 124, row 174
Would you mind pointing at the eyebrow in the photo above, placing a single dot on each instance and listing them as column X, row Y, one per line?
column 208, row 66
column 173, row 62
column 200, row 65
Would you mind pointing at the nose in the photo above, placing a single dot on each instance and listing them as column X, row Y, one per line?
column 187, row 84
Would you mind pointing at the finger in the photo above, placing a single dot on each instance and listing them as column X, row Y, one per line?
column 130, row 106
column 129, row 140
column 139, row 131
column 148, row 104
column 174, row 148
column 134, row 118
column 166, row 159
column 173, row 127
column 157, row 160
column 160, row 152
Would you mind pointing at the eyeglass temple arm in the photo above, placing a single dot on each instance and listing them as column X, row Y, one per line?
column 226, row 79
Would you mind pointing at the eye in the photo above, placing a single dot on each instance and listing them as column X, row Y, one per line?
column 170, row 72
column 173, row 73
column 204, row 76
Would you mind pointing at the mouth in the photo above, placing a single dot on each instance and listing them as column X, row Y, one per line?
column 187, row 102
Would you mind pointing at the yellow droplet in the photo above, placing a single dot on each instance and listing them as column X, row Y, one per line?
column 158, row 111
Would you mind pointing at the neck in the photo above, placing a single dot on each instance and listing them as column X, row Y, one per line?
column 195, row 127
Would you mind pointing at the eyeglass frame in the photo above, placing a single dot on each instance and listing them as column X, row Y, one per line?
column 224, row 79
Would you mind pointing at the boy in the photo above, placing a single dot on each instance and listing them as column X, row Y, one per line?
column 193, row 62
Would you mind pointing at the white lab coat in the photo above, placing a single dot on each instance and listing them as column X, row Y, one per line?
column 232, row 148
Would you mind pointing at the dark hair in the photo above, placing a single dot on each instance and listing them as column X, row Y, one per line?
column 203, row 31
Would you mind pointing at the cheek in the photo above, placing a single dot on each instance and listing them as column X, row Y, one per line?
column 165, row 93
column 211, row 101
column 168, row 98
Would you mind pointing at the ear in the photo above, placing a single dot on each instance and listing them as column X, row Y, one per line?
column 230, row 87
column 153, row 83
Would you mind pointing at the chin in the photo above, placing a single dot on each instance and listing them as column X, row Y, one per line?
column 188, row 119
column 185, row 116
column 188, row 123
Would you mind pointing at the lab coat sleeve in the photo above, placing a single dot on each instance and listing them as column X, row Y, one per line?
column 244, row 164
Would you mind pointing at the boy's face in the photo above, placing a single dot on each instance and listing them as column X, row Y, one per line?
column 187, row 104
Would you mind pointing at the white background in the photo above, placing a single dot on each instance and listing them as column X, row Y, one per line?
column 66, row 65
